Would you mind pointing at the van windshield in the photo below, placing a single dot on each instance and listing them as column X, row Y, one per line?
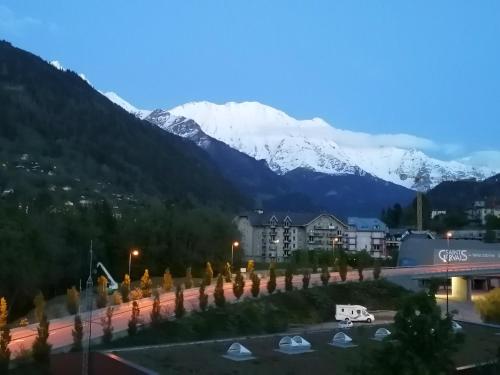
column 365, row 313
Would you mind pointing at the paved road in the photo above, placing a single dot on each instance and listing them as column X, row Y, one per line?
column 61, row 329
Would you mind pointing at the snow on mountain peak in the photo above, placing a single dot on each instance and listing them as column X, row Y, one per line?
column 141, row 113
column 286, row 143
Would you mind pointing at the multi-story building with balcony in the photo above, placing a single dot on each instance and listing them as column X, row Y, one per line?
column 366, row 234
column 275, row 236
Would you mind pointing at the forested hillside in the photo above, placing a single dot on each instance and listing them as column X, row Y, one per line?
column 74, row 167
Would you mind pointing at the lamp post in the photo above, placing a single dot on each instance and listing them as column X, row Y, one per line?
column 233, row 245
column 135, row 253
column 335, row 242
column 448, row 236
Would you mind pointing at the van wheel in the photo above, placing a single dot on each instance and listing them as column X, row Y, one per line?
column 368, row 320
column 346, row 319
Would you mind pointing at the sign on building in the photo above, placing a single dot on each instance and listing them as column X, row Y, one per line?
column 465, row 256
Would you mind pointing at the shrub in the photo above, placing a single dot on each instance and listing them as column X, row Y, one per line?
column 250, row 267
column 5, row 338
column 39, row 303
column 343, row 269
column 255, row 290
column 155, row 312
column 167, row 280
column 102, row 292
column 377, row 270
column 4, row 312
column 209, row 274
column 77, row 334
column 134, row 320
column 489, row 306
column 146, row 284
column 219, row 298
column 288, row 279
column 271, row 284
column 179, row 311
column 125, row 288
column 325, row 275
column 188, row 281
column 72, row 300
column 203, row 298
column 227, row 273
column 107, row 326
column 41, row 348
column 136, row 294
column 117, row 298
column 306, row 279
column 238, row 285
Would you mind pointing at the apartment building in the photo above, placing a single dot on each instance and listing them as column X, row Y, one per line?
column 366, row 234
column 275, row 236
column 481, row 209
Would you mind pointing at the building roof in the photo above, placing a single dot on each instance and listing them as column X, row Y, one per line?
column 367, row 224
column 417, row 250
column 296, row 218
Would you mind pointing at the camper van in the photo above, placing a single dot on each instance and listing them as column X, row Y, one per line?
column 355, row 313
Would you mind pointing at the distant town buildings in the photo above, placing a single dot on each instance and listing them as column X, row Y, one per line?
column 480, row 210
column 274, row 236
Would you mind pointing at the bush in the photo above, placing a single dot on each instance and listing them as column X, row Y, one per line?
column 72, row 300
column 117, row 298
column 5, row 338
column 136, row 294
column 41, row 348
column 179, row 311
column 306, row 279
column 209, row 274
column 39, row 303
column 107, row 326
column 238, row 285
column 489, row 306
column 134, row 320
column 77, row 334
column 325, row 275
column 227, row 273
column 250, row 267
column 289, row 279
column 167, row 280
column 255, row 290
column 125, row 288
column 146, row 284
column 377, row 270
column 155, row 312
column 102, row 292
column 271, row 284
column 203, row 298
column 188, row 281
column 219, row 298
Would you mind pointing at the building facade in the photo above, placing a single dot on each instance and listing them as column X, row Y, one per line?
column 273, row 237
column 481, row 210
column 367, row 234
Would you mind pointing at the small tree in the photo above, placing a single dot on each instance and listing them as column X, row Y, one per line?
column 167, row 280
column 271, row 284
column 72, row 300
column 255, row 284
column 363, row 259
column 136, row 294
column 377, row 270
column 179, row 311
column 306, row 279
column 77, row 333
column 4, row 313
column 5, row 337
column 146, row 284
column 39, row 303
column 125, row 288
column 102, row 292
column 41, row 348
column 117, row 298
column 342, row 264
column 288, row 279
column 250, row 267
column 209, row 274
column 155, row 312
column 203, row 298
column 219, row 298
column 134, row 320
column 489, row 306
column 188, row 281
column 228, row 273
column 325, row 275
column 107, row 326
column 238, row 285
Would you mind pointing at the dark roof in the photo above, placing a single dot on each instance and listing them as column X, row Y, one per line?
column 417, row 250
column 367, row 223
column 296, row 218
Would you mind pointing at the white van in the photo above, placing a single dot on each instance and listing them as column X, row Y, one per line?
column 355, row 313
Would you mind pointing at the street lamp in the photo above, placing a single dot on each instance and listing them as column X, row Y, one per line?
column 233, row 245
column 448, row 236
column 135, row 253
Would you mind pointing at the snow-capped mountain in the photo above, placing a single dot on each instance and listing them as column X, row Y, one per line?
column 286, row 143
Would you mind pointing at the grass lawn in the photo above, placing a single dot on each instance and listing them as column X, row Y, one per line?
column 480, row 345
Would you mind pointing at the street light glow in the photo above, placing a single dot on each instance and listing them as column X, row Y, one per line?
column 135, row 252
column 449, row 234
column 236, row 244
